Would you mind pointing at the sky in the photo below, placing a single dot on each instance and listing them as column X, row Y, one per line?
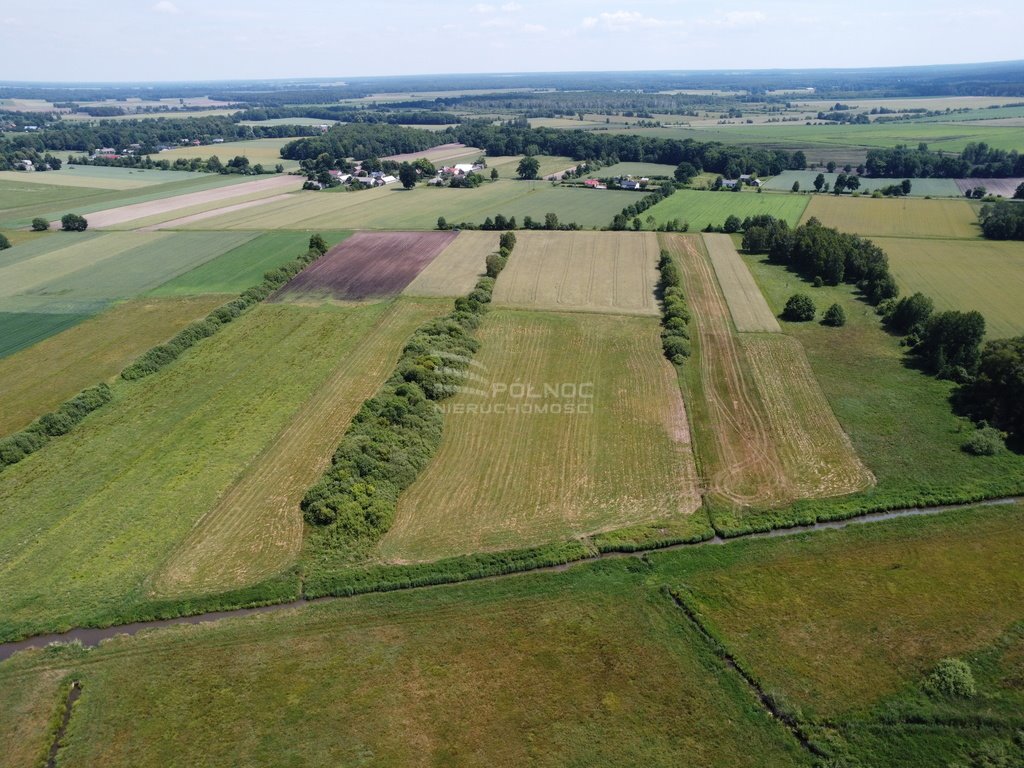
column 174, row 40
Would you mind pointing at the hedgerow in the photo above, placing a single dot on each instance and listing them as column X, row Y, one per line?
column 398, row 430
column 675, row 314
column 16, row 447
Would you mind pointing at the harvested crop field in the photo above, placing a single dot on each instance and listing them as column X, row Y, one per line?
column 1004, row 187
column 599, row 442
column 895, row 217
column 43, row 376
column 699, row 209
column 440, row 154
column 613, row 272
column 986, row 275
column 456, row 270
column 89, row 518
column 918, row 188
column 764, row 431
column 255, row 530
column 367, row 265
column 116, row 216
column 747, row 305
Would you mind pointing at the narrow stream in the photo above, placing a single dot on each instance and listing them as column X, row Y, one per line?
column 91, row 637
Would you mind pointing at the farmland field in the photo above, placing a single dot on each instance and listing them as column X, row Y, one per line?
column 1004, row 187
column 507, row 164
column 368, row 264
column 918, row 188
column 85, row 276
column 455, row 271
column 41, row 377
column 98, row 177
column 265, row 151
column 895, row 597
column 747, row 306
column 581, row 271
column 91, row 516
column 390, row 207
column 589, row 667
column 255, row 529
column 985, row 275
column 243, row 267
column 895, row 217
column 764, row 432
column 621, row 457
column 699, row 209
column 633, row 169
column 19, row 330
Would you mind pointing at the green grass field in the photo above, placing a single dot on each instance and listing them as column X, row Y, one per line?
column 589, row 667
column 633, row 169
column 507, row 164
column 99, row 177
column 90, row 517
column 985, row 275
column 19, row 330
column 895, row 217
column 621, row 457
column 700, row 209
column 391, row 208
column 243, row 267
column 265, row 151
column 918, row 188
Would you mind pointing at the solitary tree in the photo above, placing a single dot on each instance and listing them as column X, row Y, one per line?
column 819, row 182
column 550, row 221
column 529, row 168
column 830, row 166
column 442, row 222
column 407, row 175
column 796, row 186
column 685, row 172
column 1019, row 194
column 72, row 222
column 799, row 308
column 834, row 316
column 494, row 174
column 318, row 244
column 4, row 242
column 40, row 224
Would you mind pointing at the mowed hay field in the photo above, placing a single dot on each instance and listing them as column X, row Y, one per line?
column 895, row 217
column 588, row 667
column 581, row 271
column 749, row 310
column 368, row 264
column 40, row 378
column 456, row 270
column 391, row 207
column 244, row 266
column 255, row 529
column 985, row 275
column 517, row 470
column 87, row 519
column 699, row 209
column 765, row 434
column 838, row 621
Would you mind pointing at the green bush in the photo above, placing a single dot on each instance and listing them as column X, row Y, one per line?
column 985, row 441
column 4, row 242
column 799, row 308
column 834, row 316
column 40, row 224
column 951, row 677
column 72, row 222
column 495, row 263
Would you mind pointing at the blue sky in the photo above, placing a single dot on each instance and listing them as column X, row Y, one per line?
column 222, row 39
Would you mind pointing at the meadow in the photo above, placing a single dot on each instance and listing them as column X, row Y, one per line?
column 391, row 208
column 605, row 446
column 581, row 271
column 983, row 275
column 255, row 529
column 243, row 267
column 764, row 434
column 507, row 165
column 50, row 371
column 633, row 169
column 265, row 151
column 699, row 209
column 98, row 177
column 895, row 217
column 918, row 187
column 89, row 518
column 469, row 676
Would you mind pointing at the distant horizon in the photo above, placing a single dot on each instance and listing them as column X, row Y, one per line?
column 172, row 41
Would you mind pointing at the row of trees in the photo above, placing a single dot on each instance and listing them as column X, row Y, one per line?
column 363, row 141
column 631, row 213
column 977, row 159
column 501, row 222
column 675, row 313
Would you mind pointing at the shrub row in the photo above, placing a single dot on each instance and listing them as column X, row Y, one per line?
column 162, row 354
column 500, row 222
column 675, row 314
column 16, row 447
column 398, row 430
column 632, row 212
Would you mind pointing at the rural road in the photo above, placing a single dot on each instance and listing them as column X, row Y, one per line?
column 91, row 637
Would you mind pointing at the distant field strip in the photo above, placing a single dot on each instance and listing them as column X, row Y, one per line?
column 504, row 479
column 918, row 188
column 368, row 264
column 88, row 519
column 612, row 272
column 455, row 271
column 202, row 216
column 699, row 209
column 760, row 445
column 255, row 531
column 750, row 311
column 986, row 275
column 43, row 376
column 114, row 216
column 438, row 154
column 895, row 217
column 20, row 330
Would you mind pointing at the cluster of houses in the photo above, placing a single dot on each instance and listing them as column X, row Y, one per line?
column 745, row 178
column 374, row 179
column 460, row 170
column 623, row 182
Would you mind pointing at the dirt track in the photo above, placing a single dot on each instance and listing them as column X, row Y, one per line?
column 113, row 216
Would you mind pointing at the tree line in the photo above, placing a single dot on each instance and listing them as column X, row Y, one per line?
column 976, row 160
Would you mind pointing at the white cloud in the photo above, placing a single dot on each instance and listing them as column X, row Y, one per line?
column 622, row 21
column 166, row 6
column 483, row 8
column 511, row 7
column 533, row 29
column 743, row 18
